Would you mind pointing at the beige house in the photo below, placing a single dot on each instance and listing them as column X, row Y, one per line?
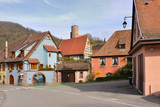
column 79, row 48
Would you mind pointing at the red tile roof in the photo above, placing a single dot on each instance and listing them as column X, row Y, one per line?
column 149, row 17
column 74, row 46
column 33, row 60
column 96, row 48
column 22, row 44
column 51, row 48
column 111, row 47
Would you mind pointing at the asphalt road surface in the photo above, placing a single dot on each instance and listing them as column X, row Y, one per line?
column 103, row 94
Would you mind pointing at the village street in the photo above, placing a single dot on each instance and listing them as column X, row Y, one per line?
column 103, row 94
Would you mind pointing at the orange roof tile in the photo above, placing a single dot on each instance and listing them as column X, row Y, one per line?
column 33, row 60
column 149, row 17
column 111, row 46
column 50, row 48
column 74, row 46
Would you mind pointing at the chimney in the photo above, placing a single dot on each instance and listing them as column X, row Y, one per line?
column 74, row 31
column 6, row 49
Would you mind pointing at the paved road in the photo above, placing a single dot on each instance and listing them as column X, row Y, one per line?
column 105, row 94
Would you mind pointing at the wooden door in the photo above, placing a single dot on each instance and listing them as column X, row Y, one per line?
column 140, row 73
column 11, row 80
column 68, row 76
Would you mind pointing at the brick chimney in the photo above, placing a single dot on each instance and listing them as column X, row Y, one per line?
column 74, row 31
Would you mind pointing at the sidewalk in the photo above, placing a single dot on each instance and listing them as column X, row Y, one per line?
column 1, row 98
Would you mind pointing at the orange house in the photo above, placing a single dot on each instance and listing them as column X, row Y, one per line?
column 113, row 55
column 145, row 46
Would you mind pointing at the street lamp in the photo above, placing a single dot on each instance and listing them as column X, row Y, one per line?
column 125, row 22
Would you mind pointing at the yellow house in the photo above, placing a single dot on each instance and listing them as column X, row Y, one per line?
column 3, row 73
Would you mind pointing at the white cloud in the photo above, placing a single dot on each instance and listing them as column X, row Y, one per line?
column 51, row 4
column 11, row 1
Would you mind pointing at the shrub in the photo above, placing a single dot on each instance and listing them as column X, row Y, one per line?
column 46, row 66
column 110, row 78
column 126, row 70
column 80, row 81
column 69, row 59
column 91, row 76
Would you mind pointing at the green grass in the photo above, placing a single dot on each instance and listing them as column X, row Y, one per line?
column 55, row 85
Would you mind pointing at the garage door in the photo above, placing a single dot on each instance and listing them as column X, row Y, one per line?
column 68, row 76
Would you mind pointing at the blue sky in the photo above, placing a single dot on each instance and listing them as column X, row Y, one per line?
column 97, row 17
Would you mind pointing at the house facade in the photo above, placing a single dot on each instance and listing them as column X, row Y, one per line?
column 3, row 73
column 113, row 55
column 31, row 60
column 78, row 48
column 145, row 46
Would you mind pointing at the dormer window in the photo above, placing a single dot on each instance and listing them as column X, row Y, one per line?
column 122, row 44
column 13, row 54
column 47, row 37
column 22, row 53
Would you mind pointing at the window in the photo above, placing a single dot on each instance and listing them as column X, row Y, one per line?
column 49, row 54
column 34, row 66
column 11, row 67
column 19, row 66
column 41, row 66
column 47, row 37
column 13, row 54
column 122, row 46
column 22, row 53
column 102, row 61
column 115, row 61
column 81, row 74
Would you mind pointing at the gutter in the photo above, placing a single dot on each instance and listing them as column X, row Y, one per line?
column 141, row 42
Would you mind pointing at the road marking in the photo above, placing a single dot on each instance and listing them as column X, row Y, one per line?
column 11, row 89
column 55, row 90
column 31, row 88
column 5, row 90
column 113, row 99
column 24, row 87
column 72, row 93
column 110, row 100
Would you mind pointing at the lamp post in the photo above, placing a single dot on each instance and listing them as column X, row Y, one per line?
column 125, row 22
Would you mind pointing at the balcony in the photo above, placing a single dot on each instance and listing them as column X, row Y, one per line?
column 46, row 69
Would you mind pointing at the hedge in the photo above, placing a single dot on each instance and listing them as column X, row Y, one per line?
column 110, row 78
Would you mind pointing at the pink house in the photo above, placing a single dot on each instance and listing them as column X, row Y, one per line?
column 113, row 55
column 145, row 46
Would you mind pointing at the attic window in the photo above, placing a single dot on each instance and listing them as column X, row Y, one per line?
column 13, row 54
column 122, row 44
column 47, row 37
column 22, row 53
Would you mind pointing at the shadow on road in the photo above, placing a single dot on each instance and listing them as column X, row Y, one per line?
column 122, row 87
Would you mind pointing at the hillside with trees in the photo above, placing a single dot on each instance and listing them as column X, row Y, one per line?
column 14, row 31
